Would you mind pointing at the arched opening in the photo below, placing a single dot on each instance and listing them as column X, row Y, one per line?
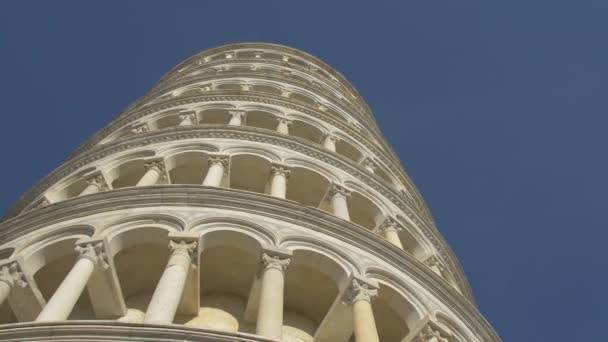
column 307, row 187
column 303, row 98
column 261, row 119
column 306, row 131
column 50, row 266
column 348, row 150
column 168, row 121
column 132, row 249
column 215, row 116
column 229, row 262
column 228, row 86
column 310, row 275
column 249, row 172
column 393, row 314
column 187, row 167
column 363, row 211
column 127, row 174
column 266, row 89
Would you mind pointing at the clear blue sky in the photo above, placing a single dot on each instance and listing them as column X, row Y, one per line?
column 497, row 110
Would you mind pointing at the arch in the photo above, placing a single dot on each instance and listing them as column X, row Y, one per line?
column 395, row 311
column 314, row 272
column 6, row 252
column 348, row 149
column 364, row 211
column 458, row 331
column 214, row 116
column 187, row 166
column 263, row 235
column 413, row 240
column 306, row 185
column 262, row 119
column 127, row 173
column 72, row 186
column 249, row 172
column 51, row 258
column 306, row 130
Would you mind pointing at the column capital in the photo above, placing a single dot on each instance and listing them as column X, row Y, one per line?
column 141, row 128
column 360, row 289
column 11, row 273
column 429, row 334
column 433, row 261
column 332, row 137
column 278, row 169
column 93, row 250
column 187, row 247
column 158, row 165
column 237, row 113
column 321, row 106
column 285, row 92
column 186, row 115
column 389, row 224
column 369, row 163
column 284, row 121
column 339, row 190
column 98, row 180
column 219, row 159
column 258, row 54
column 275, row 258
column 245, row 86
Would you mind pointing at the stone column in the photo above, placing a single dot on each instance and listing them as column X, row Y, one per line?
column 10, row 274
column 338, row 196
column 278, row 183
column 435, row 265
column 270, row 311
column 390, row 229
column 217, row 165
column 95, row 184
column 186, row 119
column 168, row 292
column 283, row 126
column 61, row 304
column 330, row 142
column 236, row 117
column 361, row 294
column 155, row 170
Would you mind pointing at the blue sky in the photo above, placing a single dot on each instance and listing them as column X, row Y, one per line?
column 497, row 110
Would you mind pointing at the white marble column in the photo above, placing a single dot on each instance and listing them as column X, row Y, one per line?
column 270, row 311
column 435, row 265
column 283, row 126
column 330, row 142
column 95, row 184
column 361, row 296
column 61, row 304
column 186, row 119
column 10, row 274
column 236, row 117
column 390, row 229
column 154, row 171
column 278, row 182
column 168, row 292
column 338, row 196
column 215, row 174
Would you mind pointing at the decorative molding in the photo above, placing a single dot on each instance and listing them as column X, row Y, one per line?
column 93, row 250
column 266, row 136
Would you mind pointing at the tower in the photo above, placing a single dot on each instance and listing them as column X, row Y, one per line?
column 249, row 196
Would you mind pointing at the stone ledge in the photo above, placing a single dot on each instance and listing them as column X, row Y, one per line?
column 116, row 331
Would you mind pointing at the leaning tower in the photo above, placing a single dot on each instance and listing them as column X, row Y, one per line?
column 249, row 196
